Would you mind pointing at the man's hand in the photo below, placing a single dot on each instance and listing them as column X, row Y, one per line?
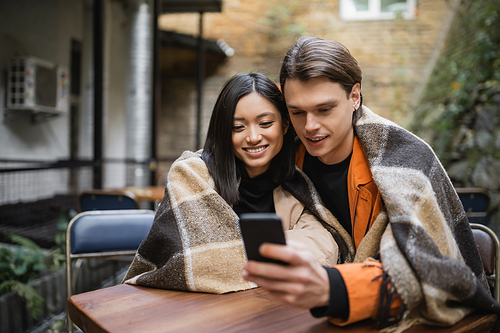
column 304, row 283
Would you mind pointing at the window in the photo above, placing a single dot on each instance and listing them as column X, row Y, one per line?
column 377, row 9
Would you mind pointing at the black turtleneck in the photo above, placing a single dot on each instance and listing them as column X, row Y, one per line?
column 331, row 183
column 256, row 194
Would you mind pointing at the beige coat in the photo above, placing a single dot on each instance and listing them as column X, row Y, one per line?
column 302, row 226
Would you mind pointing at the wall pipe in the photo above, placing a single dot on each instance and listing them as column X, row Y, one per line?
column 98, row 43
column 156, row 91
column 199, row 81
column 139, row 94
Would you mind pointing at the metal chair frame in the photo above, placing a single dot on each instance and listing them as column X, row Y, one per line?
column 80, row 257
column 494, row 279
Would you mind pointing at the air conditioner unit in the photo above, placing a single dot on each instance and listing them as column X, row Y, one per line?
column 37, row 85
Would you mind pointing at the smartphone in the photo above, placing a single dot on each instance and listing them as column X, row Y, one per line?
column 258, row 228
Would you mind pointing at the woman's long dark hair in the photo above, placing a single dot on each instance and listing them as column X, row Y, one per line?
column 218, row 152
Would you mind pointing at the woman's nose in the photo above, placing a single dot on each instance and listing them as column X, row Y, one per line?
column 254, row 136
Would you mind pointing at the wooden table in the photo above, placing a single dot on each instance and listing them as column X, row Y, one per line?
column 126, row 308
column 148, row 193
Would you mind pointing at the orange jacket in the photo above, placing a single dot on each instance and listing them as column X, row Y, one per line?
column 365, row 204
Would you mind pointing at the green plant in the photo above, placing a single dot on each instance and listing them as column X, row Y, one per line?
column 283, row 23
column 469, row 64
column 59, row 326
column 33, row 300
column 22, row 264
column 58, row 253
column 19, row 266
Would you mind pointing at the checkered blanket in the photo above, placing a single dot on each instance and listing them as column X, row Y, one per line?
column 423, row 235
column 195, row 242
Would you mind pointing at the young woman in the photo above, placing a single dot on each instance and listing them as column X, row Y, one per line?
column 247, row 165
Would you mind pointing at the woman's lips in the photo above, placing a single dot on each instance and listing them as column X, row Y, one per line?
column 256, row 150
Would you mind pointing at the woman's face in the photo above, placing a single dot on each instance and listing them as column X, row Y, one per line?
column 257, row 133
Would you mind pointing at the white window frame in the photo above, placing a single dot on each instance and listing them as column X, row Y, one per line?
column 348, row 11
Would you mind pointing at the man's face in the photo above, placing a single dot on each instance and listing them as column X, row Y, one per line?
column 321, row 114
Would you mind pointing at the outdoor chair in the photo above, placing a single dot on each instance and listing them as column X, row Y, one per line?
column 489, row 248
column 104, row 200
column 111, row 234
column 475, row 202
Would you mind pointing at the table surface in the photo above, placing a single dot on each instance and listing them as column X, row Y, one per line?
column 126, row 308
column 149, row 193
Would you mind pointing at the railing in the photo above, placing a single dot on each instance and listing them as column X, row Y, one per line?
column 31, row 180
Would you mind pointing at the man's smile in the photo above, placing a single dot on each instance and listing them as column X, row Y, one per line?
column 317, row 139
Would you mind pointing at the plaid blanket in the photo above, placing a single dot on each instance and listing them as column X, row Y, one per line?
column 427, row 247
column 195, row 242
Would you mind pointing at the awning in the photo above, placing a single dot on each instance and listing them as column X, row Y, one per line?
column 196, row 6
column 174, row 39
column 179, row 54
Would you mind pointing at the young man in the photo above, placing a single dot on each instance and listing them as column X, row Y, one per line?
column 392, row 199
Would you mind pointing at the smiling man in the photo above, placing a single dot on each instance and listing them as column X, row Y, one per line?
column 406, row 250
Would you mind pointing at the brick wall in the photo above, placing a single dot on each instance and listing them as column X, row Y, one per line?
column 393, row 55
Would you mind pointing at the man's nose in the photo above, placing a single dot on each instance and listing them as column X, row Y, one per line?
column 311, row 123
column 254, row 135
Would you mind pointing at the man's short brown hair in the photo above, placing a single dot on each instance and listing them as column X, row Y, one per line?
column 313, row 57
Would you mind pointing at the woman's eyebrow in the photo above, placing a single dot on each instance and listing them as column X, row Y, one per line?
column 265, row 114
column 262, row 115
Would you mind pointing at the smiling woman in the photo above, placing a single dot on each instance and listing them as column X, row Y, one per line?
column 257, row 133
column 195, row 241
column 247, row 96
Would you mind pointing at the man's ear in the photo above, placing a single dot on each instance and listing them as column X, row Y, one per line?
column 355, row 95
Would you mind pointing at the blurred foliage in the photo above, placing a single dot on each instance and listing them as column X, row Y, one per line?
column 18, row 267
column 21, row 264
column 284, row 27
column 58, row 253
column 469, row 64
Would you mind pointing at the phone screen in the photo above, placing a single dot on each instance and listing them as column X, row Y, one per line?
column 258, row 228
